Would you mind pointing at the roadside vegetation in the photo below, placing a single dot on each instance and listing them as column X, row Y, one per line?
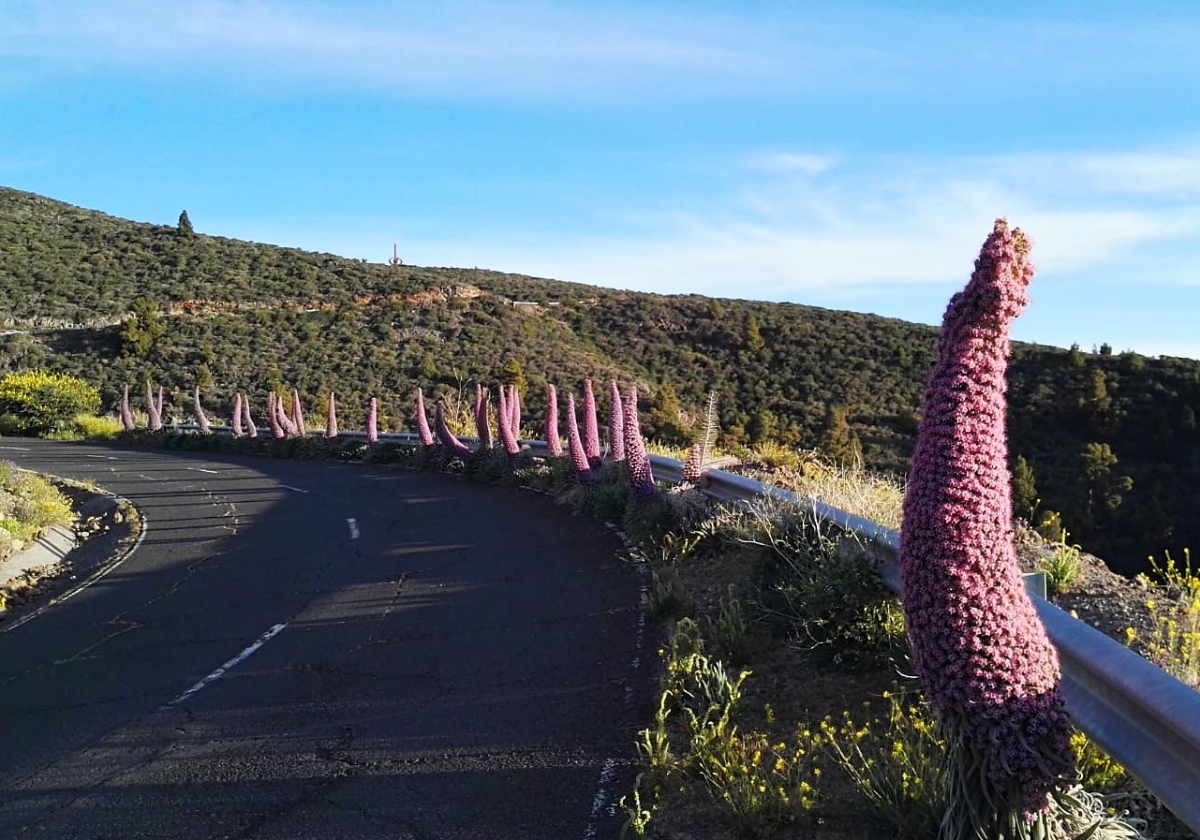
column 28, row 505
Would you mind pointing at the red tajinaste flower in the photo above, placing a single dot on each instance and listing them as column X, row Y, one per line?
column 126, row 415
column 251, row 429
column 504, row 419
column 236, row 417
column 641, row 478
column 273, row 415
column 553, row 443
column 446, row 436
column 692, row 467
column 331, row 426
column 583, row 469
column 423, row 422
column 297, row 417
column 616, row 423
column 514, row 411
column 198, row 412
column 483, row 428
column 373, row 421
column 154, row 409
column 983, row 656
column 591, row 429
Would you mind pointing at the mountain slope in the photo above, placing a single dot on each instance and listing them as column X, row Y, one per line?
column 247, row 317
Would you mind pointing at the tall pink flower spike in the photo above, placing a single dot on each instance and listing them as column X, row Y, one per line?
column 331, row 424
column 504, row 419
column 298, row 415
column 251, row 429
column 641, row 478
column 616, row 423
column 236, row 417
column 198, row 412
column 983, row 656
column 591, row 429
column 553, row 443
column 583, row 469
column 373, row 421
column 126, row 415
column 483, row 428
column 423, row 432
column 273, row 415
column 447, row 437
column 153, row 409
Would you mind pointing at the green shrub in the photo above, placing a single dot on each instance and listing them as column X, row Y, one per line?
column 35, row 402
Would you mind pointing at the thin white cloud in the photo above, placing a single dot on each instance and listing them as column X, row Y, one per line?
column 522, row 48
column 863, row 225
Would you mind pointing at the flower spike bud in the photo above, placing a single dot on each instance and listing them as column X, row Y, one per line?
column 692, row 468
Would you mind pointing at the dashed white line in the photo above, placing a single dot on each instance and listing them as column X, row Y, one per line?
column 16, row 448
column 201, row 469
column 290, row 487
column 601, row 798
column 220, row 672
column 102, row 457
column 353, row 523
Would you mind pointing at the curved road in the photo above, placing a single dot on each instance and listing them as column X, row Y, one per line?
column 322, row 650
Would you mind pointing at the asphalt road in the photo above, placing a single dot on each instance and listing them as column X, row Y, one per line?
column 405, row 655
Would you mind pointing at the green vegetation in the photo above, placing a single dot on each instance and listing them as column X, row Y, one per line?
column 28, row 505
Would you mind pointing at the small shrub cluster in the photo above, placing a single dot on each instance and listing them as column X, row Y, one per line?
column 34, row 402
column 28, row 504
column 1174, row 642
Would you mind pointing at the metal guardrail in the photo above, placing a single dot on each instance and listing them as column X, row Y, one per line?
column 1143, row 717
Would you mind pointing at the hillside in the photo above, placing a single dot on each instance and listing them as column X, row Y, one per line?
column 117, row 301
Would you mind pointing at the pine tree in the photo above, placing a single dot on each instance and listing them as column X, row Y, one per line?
column 185, row 229
column 1024, row 489
column 838, row 441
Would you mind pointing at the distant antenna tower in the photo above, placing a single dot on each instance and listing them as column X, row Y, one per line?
column 395, row 260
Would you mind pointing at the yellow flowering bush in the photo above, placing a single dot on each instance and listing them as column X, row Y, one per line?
column 35, row 402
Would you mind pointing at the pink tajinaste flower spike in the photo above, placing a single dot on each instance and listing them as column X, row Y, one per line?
column 483, row 428
column 331, row 427
column 691, row 464
column 126, row 415
column 514, row 411
column 423, row 432
column 641, row 479
column 373, row 421
column 583, row 469
column 198, row 412
column 298, row 415
column 553, row 443
column 983, row 656
column 251, row 429
column 159, row 405
column 508, row 437
column 446, row 436
column 236, row 418
column 616, row 423
column 273, row 416
column 152, row 409
column 591, row 429
column 290, row 429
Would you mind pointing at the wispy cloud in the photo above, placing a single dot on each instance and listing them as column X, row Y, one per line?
column 836, row 233
column 642, row 50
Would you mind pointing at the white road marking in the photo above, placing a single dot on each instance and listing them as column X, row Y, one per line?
column 601, row 798
column 16, row 448
column 353, row 523
column 220, row 672
column 102, row 457
column 201, row 469
column 290, row 487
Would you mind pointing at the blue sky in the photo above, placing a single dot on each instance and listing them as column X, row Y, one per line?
column 850, row 155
